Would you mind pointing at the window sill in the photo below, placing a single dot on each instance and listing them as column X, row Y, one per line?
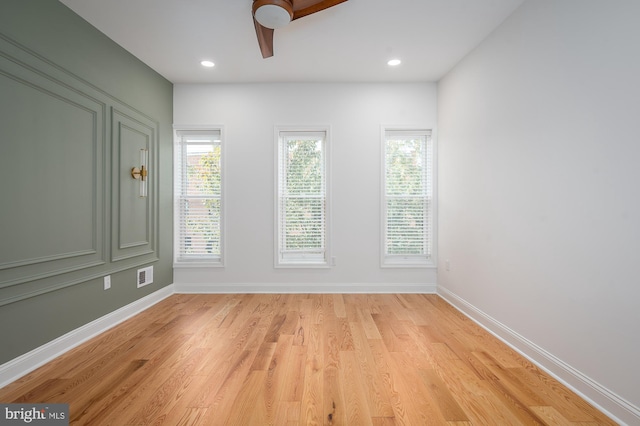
column 407, row 262
column 300, row 265
column 197, row 264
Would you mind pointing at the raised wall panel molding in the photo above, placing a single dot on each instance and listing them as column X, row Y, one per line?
column 133, row 218
column 52, row 169
column 70, row 118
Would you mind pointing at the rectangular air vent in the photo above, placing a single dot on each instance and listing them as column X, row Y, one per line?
column 145, row 276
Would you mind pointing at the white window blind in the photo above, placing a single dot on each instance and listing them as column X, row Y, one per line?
column 302, row 199
column 407, row 198
column 199, row 197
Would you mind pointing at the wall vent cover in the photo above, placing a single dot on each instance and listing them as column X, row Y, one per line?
column 145, row 276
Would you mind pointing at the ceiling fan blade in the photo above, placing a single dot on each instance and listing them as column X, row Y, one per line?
column 302, row 8
column 265, row 39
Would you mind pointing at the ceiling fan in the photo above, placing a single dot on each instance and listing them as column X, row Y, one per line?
column 271, row 14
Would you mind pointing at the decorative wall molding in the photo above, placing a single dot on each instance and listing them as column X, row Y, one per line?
column 33, row 60
column 134, row 224
column 616, row 407
column 28, row 362
column 72, row 116
column 34, row 274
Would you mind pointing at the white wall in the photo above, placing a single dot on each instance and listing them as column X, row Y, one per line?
column 539, row 157
column 355, row 113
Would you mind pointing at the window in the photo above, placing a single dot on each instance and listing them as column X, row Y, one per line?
column 302, row 201
column 199, row 212
column 408, row 208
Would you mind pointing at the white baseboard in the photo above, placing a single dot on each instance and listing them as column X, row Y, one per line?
column 614, row 406
column 22, row 365
column 212, row 288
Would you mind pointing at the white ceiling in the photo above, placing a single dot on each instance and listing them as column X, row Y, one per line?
column 350, row 42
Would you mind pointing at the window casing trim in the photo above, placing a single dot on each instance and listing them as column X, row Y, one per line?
column 195, row 261
column 308, row 258
column 425, row 260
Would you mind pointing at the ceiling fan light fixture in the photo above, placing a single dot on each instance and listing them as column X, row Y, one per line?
column 273, row 13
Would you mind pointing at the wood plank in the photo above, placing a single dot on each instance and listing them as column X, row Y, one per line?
column 391, row 341
column 226, row 396
column 394, row 387
column 276, row 386
column 355, row 396
column 450, row 409
column 551, row 416
column 377, row 397
column 334, row 407
column 369, row 325
column 338, row 306
column 559, row 397
column 312, row 407
column 161, row 398
column 249, row 407
column 294, row 374
column 510, row 382
column 188, row 417
column 304, row 321
column 263, row 357
column 424, row 408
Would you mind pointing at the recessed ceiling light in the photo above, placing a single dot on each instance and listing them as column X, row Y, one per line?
column 394, row 62
column 207, row 64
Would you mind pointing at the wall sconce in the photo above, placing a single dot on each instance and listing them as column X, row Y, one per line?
column 143, row 172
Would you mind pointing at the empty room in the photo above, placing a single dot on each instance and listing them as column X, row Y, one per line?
column 319, row 212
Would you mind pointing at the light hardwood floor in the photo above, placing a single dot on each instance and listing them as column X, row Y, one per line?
column 295, row 359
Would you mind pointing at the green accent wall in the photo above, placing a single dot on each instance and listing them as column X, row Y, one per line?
column 75, row 111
